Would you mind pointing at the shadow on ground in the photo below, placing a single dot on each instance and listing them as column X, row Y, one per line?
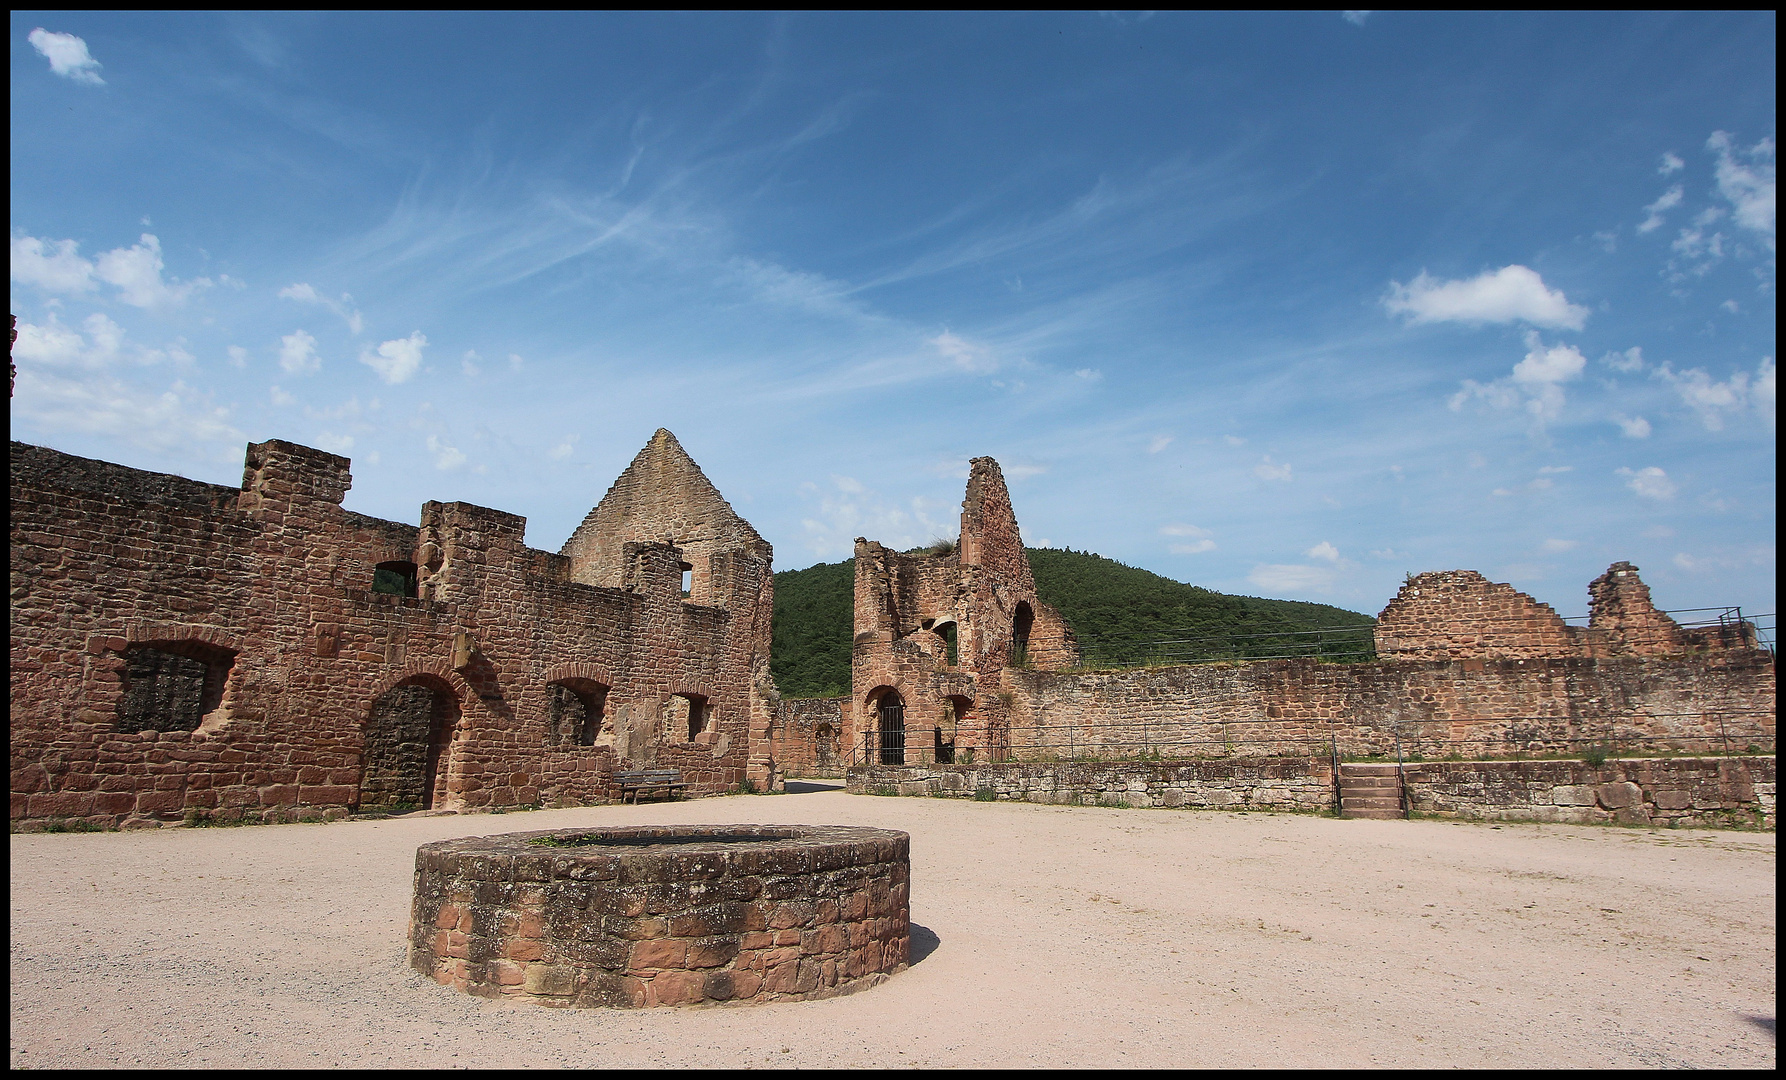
column 925, row 941
column 807, row 787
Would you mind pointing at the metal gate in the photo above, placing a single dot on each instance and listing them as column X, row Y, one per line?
column 892, row 730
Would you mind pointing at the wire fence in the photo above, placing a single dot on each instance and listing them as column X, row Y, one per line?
column 1725, row 731
column 1713, row 627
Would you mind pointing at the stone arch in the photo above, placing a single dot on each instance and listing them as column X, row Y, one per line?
column 579, row 669
column 1023, row 621
column 410, row 729
column 885, row 732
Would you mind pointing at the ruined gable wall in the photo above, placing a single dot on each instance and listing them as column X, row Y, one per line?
column 1622, row 620
column 1458, row 614
column 662, row 497
column 278, row 574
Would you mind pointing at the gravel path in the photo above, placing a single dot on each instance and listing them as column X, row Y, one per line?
column 1071, row 936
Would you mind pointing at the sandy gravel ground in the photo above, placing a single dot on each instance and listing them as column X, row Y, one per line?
column 1056, row 936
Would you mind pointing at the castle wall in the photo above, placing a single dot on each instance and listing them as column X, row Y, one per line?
column 269, row 586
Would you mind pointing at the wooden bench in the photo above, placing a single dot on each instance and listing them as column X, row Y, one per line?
column 636, row 782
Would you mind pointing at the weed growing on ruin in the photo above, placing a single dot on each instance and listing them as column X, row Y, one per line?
column 745, row 787
column 1594, row 755
column 67, row 825
column 985, row 794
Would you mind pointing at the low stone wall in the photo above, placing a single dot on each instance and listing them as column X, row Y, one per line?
column 1699, row 792
column 1716, row 792
column 1273, row 784
column 663, row 915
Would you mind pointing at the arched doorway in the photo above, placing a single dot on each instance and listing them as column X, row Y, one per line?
column 824, row 746
column 408, row 732
column 891, row 711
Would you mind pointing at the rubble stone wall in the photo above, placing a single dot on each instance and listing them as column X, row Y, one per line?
column 271, row 583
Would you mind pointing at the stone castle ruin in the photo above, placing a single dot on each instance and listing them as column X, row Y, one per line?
column 957, row 662
column 184, row 648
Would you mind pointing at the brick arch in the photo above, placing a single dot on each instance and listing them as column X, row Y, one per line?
column 138, row 630
column 439, row 669
column 894, row 683
column 578, row 669
column 683, row 688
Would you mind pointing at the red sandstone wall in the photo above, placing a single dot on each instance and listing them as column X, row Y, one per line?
column 103, row 557
column 1459, row 614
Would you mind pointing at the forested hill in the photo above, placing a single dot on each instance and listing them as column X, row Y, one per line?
column 1111, row 607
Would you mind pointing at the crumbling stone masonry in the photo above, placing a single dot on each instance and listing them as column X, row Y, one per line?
column 933, row 633
column 1466, row 667
column 664, row 915
column 187, row 647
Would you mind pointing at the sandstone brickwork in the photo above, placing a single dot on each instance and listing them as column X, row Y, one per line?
column 810, row 736
column 671, row 915
column 936, row 630
column 180, row 647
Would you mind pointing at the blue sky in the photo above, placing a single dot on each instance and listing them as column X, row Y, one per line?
column 1282, row 305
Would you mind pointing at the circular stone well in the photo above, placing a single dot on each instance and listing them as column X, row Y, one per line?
column 663, row 915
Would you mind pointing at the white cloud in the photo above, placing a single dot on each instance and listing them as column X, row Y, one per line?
column 238, row 356
column 1324, row 551
column 1280, row 578
column 445, row 457
column 1634, row 427
column 1233, row 440
column 469, row 363
column 1356, row 18
column 1559, row 546
column 304, row 293
column 1669, row 200
column 297, row 354
column 53, row 345
column 1671, row 163
column 1158, row 443
column 280, row 397
column 334, row 444
column 1195, row 547
column 1546, row 470
column 1180, row 529
column 57, row 270
column 1270, row 470
column 176, row 421
column 854, row 510
column 1511, row 294
column 1650, row 482
column 1537, row 381
column 1748, row 187
column 1716, row 401
column 1089, row 374
column 396, row 360
column 136, row 271
column 68, row 56
column 566, row 448
column 1629, row 360
column 969, row 357
column 515, row 361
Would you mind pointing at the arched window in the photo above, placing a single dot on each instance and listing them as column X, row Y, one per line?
column 408, row 731
column 394, row 578
column 1020, row 627
column 172, row 685
column 576, row 714
column 824, row 746
column 891, row 711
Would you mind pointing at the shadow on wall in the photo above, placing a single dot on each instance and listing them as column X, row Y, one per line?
column 807, row 787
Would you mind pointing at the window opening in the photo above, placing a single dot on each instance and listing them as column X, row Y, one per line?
column 950, row 653
column 688, row 581
column 575, row 713
column 1020, row 627
column 172, row 686
column 690, row 712
column 394, row 578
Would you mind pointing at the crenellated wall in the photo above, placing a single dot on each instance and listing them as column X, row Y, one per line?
column 269, row 588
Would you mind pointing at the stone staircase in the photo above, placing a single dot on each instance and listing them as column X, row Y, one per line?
column 1369, row 791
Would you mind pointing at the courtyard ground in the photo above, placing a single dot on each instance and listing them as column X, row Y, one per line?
column 1043, row 935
